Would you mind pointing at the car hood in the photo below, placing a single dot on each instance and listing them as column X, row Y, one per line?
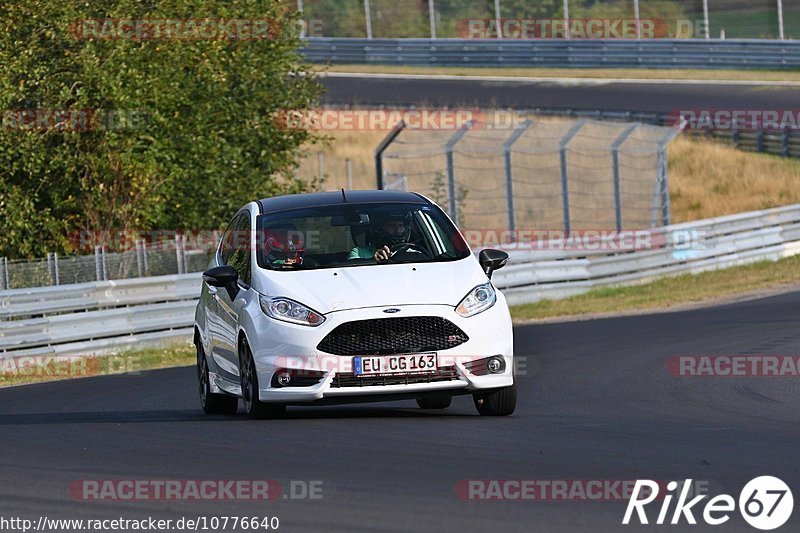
column 339, row 289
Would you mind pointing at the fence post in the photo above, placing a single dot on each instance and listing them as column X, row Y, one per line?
column 100, row 262
column 497, row 19
column 50, row 269
column 4, row 273
column 180, row 253
column 140, row 261
column 617, row 186
column 518, row 132
column 368, row 19
column 52, row 263
column 760, row 140
column 661, row 189
column 432, row 18
column 562, row 147
column 736, row 138
column 780, row 20
column 382, row 148
column 452, row 208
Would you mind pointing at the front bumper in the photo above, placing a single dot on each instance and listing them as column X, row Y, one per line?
column 280, row 346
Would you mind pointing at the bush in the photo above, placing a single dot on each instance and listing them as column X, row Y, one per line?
column 186, row 131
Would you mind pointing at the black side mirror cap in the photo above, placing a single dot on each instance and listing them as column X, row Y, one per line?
column 492, row 260
column 224, row 276
column 221, row 276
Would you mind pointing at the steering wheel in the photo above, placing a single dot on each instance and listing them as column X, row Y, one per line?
column 403, row 247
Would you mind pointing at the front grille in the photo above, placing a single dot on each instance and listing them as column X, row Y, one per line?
column 377, row 336
column 347, row 379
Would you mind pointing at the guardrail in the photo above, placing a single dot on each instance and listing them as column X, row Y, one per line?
column 714, row 243
column 95, row 317
column 589, row 53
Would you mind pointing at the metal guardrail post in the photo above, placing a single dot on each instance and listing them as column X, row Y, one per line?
column 562, row 148
column 452, row 199
column 389, row 139
column 760, row 140
column 617, row 186
column 4, row 273
column 180, row 254
column 518, row 132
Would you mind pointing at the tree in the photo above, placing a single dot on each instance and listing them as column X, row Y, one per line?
column 173, row 130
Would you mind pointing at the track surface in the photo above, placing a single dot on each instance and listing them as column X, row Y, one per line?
column 587, row 94
column 596, row 403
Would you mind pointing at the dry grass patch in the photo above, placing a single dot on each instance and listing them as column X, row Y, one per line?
column 708, row 179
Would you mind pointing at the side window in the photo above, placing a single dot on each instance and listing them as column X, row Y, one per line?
column 240, row 258
column 227, row 244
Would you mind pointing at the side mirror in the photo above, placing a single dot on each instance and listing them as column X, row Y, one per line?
column 492, row 260
column 224, row 276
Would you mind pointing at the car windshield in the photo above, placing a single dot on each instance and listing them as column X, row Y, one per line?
column 350, row 235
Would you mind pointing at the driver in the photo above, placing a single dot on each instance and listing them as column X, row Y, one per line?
column 388, row 230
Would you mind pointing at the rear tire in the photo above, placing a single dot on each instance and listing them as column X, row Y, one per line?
column 212, row 404
column 435, row 402
column 254, row 407
column 496, row 402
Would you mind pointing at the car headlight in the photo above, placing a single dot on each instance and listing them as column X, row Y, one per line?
column 290, row 311
column 477, row 300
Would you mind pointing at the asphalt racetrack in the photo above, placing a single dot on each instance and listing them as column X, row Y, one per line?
column 656, row 96
column 595, row 403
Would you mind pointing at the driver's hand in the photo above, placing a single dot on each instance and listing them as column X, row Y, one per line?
column 383, row 254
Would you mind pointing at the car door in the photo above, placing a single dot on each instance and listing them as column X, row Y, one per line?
column 217, row 311
column 231, row 305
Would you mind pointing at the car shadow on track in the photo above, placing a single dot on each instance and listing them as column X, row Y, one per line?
column 192, row 415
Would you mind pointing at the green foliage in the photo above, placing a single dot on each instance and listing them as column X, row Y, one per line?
column 198, row 137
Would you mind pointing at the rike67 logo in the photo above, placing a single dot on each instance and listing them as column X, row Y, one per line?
column 765, row 503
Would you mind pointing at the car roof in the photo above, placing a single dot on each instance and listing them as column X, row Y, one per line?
column 316, row 199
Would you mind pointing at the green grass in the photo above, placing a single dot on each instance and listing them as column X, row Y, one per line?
column 19, row 370
column 669, row 292
column 627, row 73
column 756, row 23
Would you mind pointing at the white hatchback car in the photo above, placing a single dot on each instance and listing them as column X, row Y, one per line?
column 351, row 296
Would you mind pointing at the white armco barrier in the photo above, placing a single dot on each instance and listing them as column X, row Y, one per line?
column 96, row 317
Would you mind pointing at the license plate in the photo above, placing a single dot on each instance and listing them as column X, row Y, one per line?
column 382, row 365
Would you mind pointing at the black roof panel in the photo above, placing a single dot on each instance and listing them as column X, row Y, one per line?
column 314, row 199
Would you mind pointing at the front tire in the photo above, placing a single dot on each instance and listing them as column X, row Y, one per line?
column 496, row 402
column 212, row 404
column 254, row 407
column 435, row 402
